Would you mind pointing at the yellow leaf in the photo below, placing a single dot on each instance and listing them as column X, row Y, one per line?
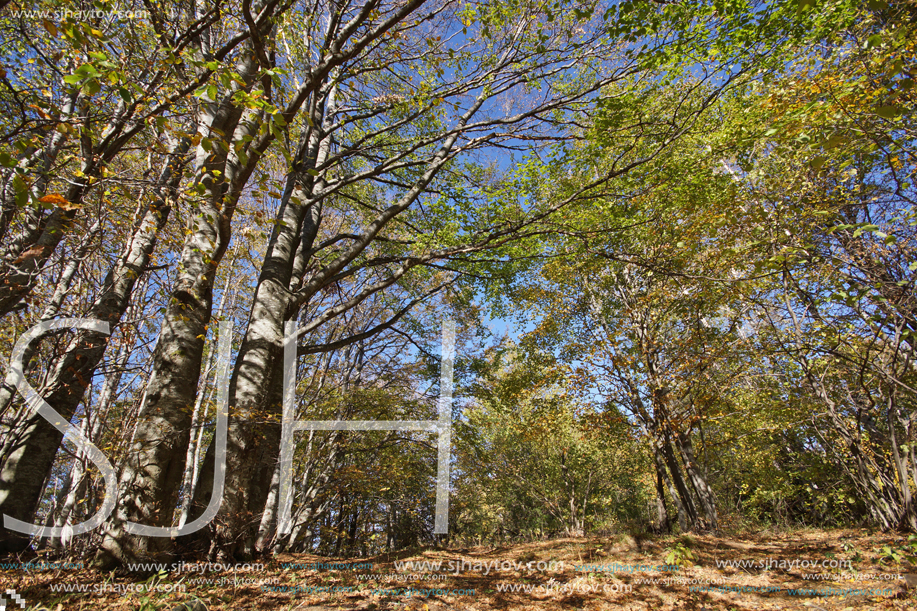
column 49, row 25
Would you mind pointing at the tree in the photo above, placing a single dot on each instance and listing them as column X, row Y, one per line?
column 554, row 463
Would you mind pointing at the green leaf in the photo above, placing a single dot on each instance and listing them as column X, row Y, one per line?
column 88, row 71
column 888, row 112
column 91, row 87
column 865, row 229
column 834, row 141
column 22, row 191
column 804, row 5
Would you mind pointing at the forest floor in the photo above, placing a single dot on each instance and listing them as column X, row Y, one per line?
column 806, row 569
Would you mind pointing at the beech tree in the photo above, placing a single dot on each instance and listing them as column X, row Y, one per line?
column 359, row 166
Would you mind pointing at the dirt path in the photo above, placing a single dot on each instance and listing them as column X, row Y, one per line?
column 812, row 570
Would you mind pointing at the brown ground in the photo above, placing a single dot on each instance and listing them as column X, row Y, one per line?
column 860, row 547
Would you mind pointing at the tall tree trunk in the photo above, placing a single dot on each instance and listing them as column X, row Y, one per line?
column 30, row 451
column 698, row 481
column 662, row 513
column 256, row 390
column 256, row 384
column 78, row 480
column 193, row 456
column 151, row 474
column 684, row 495
column 908, row 517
